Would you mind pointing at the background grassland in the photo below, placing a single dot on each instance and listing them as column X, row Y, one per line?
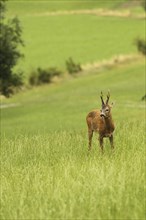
column 41, row 6
column 51, row 40
column 65, row 105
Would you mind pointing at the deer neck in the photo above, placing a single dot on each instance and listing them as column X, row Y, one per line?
column 108, row 121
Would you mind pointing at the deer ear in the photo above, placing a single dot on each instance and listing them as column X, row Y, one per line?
column 112, row 104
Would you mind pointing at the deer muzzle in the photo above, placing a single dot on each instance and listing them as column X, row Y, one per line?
column 102, row 114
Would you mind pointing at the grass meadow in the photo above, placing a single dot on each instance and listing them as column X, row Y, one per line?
column 51, row 40
column 46, row 170
column 42, row 6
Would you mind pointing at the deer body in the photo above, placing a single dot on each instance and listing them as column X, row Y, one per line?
column 101, row 121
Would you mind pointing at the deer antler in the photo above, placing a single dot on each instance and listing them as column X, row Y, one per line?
column 101, row 96
column 108, row 96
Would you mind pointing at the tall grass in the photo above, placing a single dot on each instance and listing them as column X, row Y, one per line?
column 53, row 176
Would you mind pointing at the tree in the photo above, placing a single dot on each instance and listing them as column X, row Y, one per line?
column 10, row 39
column 143, row 2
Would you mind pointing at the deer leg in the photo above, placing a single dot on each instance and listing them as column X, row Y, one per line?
column 111, row 141
column 101, row 143
column 90, row 135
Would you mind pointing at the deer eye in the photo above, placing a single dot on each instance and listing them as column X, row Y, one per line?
column 107, row 110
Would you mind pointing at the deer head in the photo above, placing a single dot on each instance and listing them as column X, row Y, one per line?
column 106, row 108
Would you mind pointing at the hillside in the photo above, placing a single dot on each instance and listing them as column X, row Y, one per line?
column 46, row 171
column 64, row 105
column 88, row 36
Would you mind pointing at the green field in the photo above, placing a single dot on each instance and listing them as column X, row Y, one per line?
column 51, row 40
column 23, row 7
column 46, row 170
column 73, row 99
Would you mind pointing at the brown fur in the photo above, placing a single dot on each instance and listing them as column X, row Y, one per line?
column 101, row 121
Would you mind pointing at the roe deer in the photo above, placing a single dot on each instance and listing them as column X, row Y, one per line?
column 101, row 121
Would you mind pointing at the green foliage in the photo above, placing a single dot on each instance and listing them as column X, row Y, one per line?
column 33, row 78
column 143, row 97
column 10, row 38
column 12, row 84
column 2, row 9
column 72, row 67
column 143, row 3
column 141, row 45
column 43, row 76
column 17, row 79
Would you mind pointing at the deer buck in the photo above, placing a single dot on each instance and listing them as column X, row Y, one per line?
column 101, row 121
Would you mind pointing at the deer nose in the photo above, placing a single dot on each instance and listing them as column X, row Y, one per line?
column 102, row 114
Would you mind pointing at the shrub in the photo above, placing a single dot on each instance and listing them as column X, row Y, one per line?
column 72, row 67
column 141, row 45
column 13, row 84
column 43, row 76
column 143, row 97
column 33, row 78
column 17, row 80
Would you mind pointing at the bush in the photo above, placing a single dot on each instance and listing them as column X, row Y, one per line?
column 141, row 45
column 72, row 67
column 143, row 97
column 33, row 78
column 43, row 76
column 17, row 80
column 13, row 84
